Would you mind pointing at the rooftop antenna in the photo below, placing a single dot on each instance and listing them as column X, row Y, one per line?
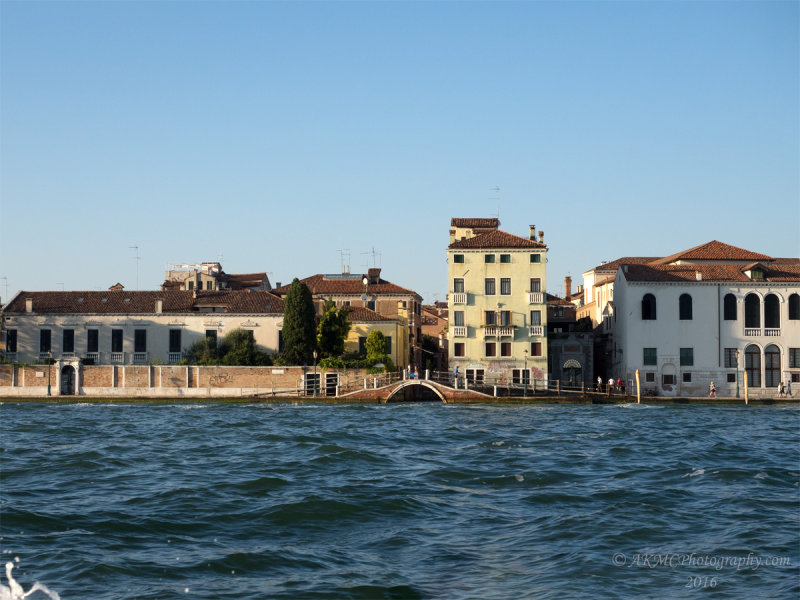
column 496, row 189
column 374, row 255
column 345, row 264
column 137, row 264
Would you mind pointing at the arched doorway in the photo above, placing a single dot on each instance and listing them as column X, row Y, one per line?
column 772, row 366
column 572, row 372
column 68, row 380
column 752, row 365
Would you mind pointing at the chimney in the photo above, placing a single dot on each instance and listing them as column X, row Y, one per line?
column 698, row 275
column 567, row 287
column 532, row 232
column 159, row 305
column 541, row 236
column 29, row 305
column 374, row 276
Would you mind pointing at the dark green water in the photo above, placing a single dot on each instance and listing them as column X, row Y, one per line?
column 403, row 501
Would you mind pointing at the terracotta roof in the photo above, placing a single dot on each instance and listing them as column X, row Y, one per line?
column 137, row 302
column 238, row 281
column 493, row 222
column 359, row 314
column 714, row 250
column 321, row 285
column 495, row 239
column 718, row 272
column 625, row 260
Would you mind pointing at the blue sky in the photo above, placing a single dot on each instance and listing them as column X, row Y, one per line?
column 275, row 134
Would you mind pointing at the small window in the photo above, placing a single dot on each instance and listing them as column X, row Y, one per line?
column 174, row 340
column 650, row 356
column 649, row 377
column 11, row 340
column 536, row 284
column 648, row 307
column 191, row 285
column 731, row 377
column 458, row 258
column 794, row 307
column 794, row 358
column 536, row 258
column 505, row 349
column 140, row 340
column 488, row 258
column 92, row 340
column 687, row 357
column 491, row 349
column 116, row 340
column 505, row 258
column 458, row 318
column 211, row 336
column 505, row 286
column 668, row 379
column 730, row 358
column 489, row 287
column 68, row 341
column 458, row 349
column 505, row 318
column 44, row 340
column 685, row 307
column 536, row 348
column 458, row 286
column 687, row 378
column 729, row 307
column 536, row 317
column 489, row 317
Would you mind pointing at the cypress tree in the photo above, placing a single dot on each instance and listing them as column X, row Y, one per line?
column 299, row 327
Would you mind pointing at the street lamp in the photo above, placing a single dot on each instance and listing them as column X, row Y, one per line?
column 737, row 372
column 315, row 373
column 525, row 373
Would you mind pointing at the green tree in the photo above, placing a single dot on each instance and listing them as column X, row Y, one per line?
column 375, row 346
column 333, row 329
column 299, row 328
column 202, row 352
column 239, row 349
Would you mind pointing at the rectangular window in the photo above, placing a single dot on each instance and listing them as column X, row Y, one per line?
column 488, row 287
column 794, row 358
column 44, row 340
column 68, row 341
column 668, row 379
column 536, row 317
column 650, row 377
column 388, row 340
column 535, row 258
column 458, row 286
column 371, row 305
column 730, row 358
column 458, row 258
column 92, row 340
column 505, row 258
column 140, row 340
column 488, row 258
column 211, row 336
column 11, row 340
column 191, row 285
column 536, row 348
column 687, row 357
column 491, row 349
column 174, row 340
column 505, row 318
column 458, row 349
column 731, row 377
column 489, row 317
column 521, row 376
column 505, row 349
column 536, row 284
column 209, row 285
column 280, row 340
column 687, row 378
column 362, row 345
column 505, row 286
column 116, row 340
column 649, row 356
column 458, row 318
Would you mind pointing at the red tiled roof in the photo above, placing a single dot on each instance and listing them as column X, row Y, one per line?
column 475, row 222
column 495, row 239
column 626, row 260
column 320, row 285
column 714, row 250
column 137, row 302
column 359, row 314
column 238, row 281
column 717, row 272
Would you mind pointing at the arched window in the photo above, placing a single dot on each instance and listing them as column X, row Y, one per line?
column 752, row 365
column 772, row 312
column 772, row 366
column 794, row 307
column 685, row 307
column 649, row 307
column 752, row 311
column 730, row 307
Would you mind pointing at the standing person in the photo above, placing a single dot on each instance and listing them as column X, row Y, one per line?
column 610, row 384
column 789, row 388
column 456, row 374
column 599, row 383
column 781, row 390
column 712, row 390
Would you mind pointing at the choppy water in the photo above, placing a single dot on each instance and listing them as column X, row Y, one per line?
column 401, row 501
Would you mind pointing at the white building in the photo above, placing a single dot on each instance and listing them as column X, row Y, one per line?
column 710, row 313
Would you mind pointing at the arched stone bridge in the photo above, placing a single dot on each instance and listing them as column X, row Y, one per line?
column 414, row 390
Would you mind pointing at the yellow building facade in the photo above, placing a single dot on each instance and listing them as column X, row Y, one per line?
column 497, row 303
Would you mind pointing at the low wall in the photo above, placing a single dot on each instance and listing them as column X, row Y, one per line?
column 167, row 381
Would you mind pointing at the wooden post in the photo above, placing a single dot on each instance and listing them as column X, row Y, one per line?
column 558, row 387
column 638, row 389
column 745, row 387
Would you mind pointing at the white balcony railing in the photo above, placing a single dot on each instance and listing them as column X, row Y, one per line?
column 117, row 357
column 536, row 330
column 459, row 331
column 44, row 355
column 140, row 358
column 95, row 356
column 67, row 355
column 752, row 332
column 535, row 297
column 459, row 297
column 174, row 357
column 772, row 332
column 493, row 331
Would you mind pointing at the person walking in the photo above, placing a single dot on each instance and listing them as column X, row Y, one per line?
column 712, row 390
column 789, row 388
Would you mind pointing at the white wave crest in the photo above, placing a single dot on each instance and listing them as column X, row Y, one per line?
column 15, row 591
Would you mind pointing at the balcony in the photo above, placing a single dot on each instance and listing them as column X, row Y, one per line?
column 118, row 357
column 536, row 330
column 44, row 355
column 459, row 331
column 752, row 332
column 536, row 298
column 772, row 332
column 140, row 358
column 494, row 331
column 95, row 356
column 459, row 297
column 174, row 357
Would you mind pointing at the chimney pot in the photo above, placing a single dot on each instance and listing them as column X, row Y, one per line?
column 532, row 230
column 541, row 236
column 28, row 304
